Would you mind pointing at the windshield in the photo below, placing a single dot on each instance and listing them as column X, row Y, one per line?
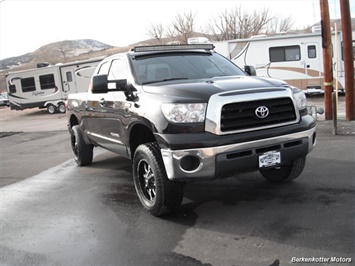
column 157, row 68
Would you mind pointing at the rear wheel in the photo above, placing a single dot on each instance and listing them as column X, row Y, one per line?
column 156, row 192
column 83, row 153
column 51, row 109
column 285, row 173
column 61, row 108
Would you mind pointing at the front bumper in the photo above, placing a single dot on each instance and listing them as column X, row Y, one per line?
column 213, row 162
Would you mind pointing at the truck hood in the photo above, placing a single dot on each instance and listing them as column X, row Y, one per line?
column 201, row 90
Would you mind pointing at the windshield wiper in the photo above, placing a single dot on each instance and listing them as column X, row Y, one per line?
column 173, row 79
column 162, row 80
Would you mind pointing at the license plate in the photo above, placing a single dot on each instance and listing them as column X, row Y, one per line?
column 270, row 158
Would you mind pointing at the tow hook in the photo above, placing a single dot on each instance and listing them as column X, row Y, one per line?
column 315, row 111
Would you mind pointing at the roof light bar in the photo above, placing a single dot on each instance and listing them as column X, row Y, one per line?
column 174, row 47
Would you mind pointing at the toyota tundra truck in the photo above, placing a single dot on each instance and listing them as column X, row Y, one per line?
column 185, row 113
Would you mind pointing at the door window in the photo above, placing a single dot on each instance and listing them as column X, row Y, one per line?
column 103, row 69
column 117, row 70
column 69, row 76
column 312, row 52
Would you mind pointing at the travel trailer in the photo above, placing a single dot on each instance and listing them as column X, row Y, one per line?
column 297, row 59
column 48, row 86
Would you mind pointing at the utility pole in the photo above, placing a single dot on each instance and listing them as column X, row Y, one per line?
column 348, row 60
column 327, row 58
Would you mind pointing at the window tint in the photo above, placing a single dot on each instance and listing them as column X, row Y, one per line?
column 69, row 76
column 28, row 84
column 287, row 53
column 150, row 69
column 47, row 82
column 312, row 52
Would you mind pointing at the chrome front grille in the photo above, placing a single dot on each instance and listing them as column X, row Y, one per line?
column 242, row 115
column 235, row 111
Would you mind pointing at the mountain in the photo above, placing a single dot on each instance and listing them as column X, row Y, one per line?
column 54, row 53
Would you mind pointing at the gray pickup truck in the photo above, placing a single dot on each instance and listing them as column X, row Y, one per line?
column 185, row 113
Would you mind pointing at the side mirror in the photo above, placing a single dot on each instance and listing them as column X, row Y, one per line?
column 250, row 70
column 99, row 84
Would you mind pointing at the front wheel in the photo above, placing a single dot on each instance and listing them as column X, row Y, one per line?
column 156, row 192
column 83, row 153
column 285, row 173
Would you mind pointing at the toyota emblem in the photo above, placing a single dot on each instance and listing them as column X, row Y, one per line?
column 262, row 112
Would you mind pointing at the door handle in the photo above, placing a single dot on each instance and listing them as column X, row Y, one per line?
column 102, row 102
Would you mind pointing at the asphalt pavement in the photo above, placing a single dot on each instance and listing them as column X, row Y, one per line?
column 55, row 213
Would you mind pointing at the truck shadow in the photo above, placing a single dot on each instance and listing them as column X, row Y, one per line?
column 300, row 213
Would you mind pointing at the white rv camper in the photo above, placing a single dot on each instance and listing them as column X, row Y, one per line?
column 297, row 59
column 49, row 86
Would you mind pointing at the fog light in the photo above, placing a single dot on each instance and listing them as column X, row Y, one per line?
column 190, row 163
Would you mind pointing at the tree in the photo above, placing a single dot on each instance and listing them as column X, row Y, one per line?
column 229, row 24
column 156, row 32
column 277, row 25
column 238, row 24
column 183, row 27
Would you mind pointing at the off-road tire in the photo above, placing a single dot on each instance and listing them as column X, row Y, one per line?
column 285, row 173
column 156, row 192
column 83, row 153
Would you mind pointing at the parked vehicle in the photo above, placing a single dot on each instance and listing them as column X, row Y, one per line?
column 49, row 86
column 296, row 59
column 185, row 113
column 4, row 101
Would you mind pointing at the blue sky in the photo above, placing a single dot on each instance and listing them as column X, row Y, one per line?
column 26, row 25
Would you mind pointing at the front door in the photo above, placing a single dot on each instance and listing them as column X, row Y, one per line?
column 114, row 110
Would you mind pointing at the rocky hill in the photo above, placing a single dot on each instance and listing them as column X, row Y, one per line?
column 53, row 53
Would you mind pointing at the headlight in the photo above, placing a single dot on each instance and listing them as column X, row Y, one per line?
column 300, row 98
column 184, row 113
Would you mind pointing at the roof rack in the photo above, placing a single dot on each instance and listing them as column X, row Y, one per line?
column 173, row 47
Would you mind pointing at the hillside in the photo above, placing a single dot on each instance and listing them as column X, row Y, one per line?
column 54, row 53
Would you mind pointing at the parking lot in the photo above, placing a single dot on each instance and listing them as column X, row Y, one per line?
column 55, row 213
